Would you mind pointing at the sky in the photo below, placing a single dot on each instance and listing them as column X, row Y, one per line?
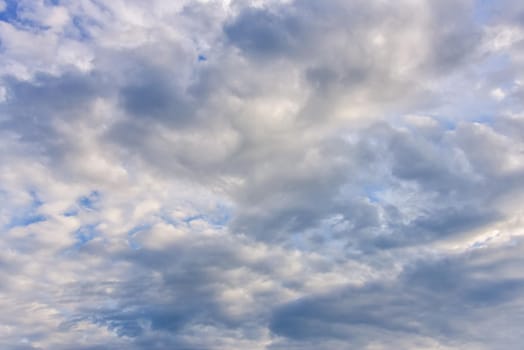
column 261, row 174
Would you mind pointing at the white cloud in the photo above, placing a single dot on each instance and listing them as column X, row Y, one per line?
column 498, row 94
column 262, row 175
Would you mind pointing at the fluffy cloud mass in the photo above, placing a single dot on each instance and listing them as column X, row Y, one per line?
column 262, row 174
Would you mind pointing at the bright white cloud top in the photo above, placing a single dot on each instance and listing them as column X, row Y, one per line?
column 227, row 175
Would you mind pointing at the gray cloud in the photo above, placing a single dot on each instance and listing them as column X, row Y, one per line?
column 274, row 176
column 33, row 106
column 437, row 299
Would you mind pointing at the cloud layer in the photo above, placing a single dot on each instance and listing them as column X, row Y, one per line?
column 261, row 174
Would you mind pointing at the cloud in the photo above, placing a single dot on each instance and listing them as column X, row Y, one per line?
column 262, row 175
column 437, row 299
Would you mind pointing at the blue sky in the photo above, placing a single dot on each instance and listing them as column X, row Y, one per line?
column 261, row 175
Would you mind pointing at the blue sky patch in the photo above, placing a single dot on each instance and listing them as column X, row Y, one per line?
column 10, row 13
column 90, row 202
column 13, row 14
column 86, row 234
column 28, row 215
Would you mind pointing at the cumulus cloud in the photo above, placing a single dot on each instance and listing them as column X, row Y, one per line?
column 262, row 175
